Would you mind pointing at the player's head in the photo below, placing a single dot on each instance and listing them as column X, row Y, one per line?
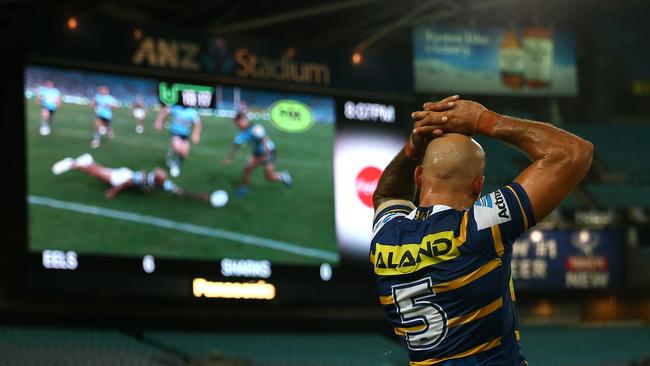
column 49, row 84
column 453, row 165
column 241, row 121
column 160, row 176
column 102, row 90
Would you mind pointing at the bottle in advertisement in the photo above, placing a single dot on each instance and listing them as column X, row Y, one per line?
column 538, row 49
column 511, row 60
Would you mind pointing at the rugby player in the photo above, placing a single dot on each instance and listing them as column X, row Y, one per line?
column 263, row 152
column 49, row 98
column 124, row 178
column 185, row 125
column 139, row 113
column 443, row 267
column 103, row 103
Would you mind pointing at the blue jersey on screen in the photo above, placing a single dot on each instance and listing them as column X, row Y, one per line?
column 49, row 97
column 104, row 105
column 255, row 135
column 444, row 278
column 183, row 120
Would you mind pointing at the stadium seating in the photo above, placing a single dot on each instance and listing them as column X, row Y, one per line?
column 26, row 346
column 620, row 176
column 557, row 346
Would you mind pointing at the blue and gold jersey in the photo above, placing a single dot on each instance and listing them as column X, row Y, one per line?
column 444, row 278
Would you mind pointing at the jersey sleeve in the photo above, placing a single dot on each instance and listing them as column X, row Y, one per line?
column 241, row 138
column 389, row 211
column 501, row 216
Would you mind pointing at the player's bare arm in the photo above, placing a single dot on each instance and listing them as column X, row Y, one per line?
column 396, row 185
column 231, row 154
column 114, row 191
column 196, row 133
column 164, row 112
column 560, row 159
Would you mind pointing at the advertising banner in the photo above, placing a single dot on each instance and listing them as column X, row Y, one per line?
column 526, row 61
column 369, row 133
column 127, row 47
column 568, row 259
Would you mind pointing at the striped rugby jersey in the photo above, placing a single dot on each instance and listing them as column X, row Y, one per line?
column 444, row 278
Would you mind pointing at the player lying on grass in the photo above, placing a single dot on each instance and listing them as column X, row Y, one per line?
column 125, row 178
column 443, row 268
column 49, row 98
column 185, row 122
column 263, row 152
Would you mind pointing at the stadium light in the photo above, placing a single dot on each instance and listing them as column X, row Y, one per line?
column 357, row 57
column 72, row 23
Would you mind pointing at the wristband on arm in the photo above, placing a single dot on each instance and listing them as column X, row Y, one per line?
column 409, row 150
column 485, row 122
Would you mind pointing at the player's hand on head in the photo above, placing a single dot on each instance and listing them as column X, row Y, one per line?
column 421, row 140
column 462, row 117
column 441, row 105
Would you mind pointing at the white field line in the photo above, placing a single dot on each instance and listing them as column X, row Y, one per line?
column 184, row 227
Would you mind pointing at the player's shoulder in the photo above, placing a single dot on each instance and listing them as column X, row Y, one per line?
column 390, row 210
column 501, row 206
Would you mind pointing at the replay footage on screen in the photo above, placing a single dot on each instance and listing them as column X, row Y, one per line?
column 129, row 166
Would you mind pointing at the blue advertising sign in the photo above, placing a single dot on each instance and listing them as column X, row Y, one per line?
column 568, row 259
column 529, row 61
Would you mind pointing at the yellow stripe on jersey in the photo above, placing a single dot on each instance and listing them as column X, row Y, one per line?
column 468, row 278
column 517, row 335
column 392, row 260
column 523, row 213
column 386, row 300
column 478, row 314
column 402, row 331
column 463, row 227
column 496, row 238
column 470, row 352
column 512, row 290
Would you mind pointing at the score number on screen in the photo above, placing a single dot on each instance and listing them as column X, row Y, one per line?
column 187, row 95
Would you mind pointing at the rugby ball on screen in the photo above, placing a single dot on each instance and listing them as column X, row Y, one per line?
column 218, row 198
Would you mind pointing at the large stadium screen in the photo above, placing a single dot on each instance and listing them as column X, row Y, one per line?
column 125, row 166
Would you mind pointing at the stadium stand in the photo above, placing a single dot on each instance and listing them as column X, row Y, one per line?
column 620, row 175
column 558, row 346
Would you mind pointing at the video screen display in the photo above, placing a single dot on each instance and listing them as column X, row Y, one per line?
column 130, row 166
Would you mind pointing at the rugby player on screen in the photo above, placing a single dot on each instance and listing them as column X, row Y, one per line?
column 443, row 268
column 125, row 178
column 185, row 126
column 103, row 103
column 263, row 152
column 139, row 113
column 49, row 98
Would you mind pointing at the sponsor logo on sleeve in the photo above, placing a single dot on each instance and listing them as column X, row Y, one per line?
column 491, row 210
column 385, row 219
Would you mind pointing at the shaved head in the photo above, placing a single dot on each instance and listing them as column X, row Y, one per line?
column 453, row 165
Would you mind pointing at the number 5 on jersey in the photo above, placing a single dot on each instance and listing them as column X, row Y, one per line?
column 424, row 323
